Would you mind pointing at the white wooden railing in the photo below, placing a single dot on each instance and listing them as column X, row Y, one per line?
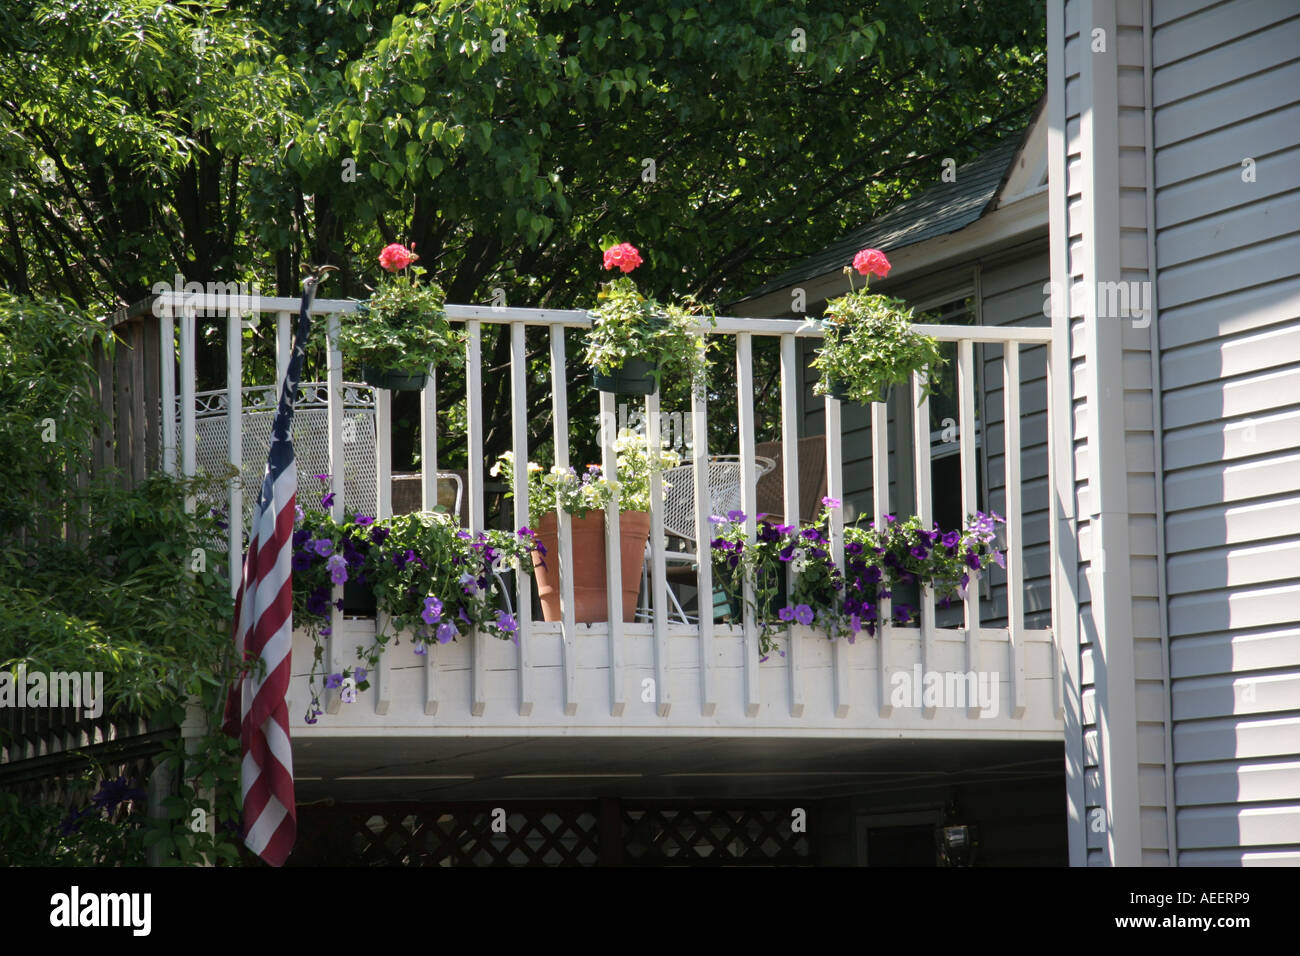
column 178, row 454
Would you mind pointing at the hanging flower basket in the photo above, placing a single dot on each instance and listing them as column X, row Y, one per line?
column 634, row 377
column 394, row 381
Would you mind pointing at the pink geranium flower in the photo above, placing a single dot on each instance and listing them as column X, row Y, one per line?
column 873, row 261
column 622, row 256
column 396, row 257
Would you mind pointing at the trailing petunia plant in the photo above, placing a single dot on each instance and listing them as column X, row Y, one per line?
column 592, row 491
column 429, row 576
column 843, row 601
column 869, row 343
column 402, row 328
column 627, row 325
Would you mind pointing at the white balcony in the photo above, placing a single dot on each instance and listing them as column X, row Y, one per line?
column 659, row 676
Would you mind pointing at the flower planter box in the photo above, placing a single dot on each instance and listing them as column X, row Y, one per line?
column 840, row 390
column 591, row 604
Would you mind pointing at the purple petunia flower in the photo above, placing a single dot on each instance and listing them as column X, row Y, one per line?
column 420, row 648
column 830, row 502
column 717, row 519
column 803, row 614
column 301, row 537
column 1000, row 559
column 379, row 535
column 324, row 547
column 951, row 539
column 326, row 631
column 338, row 566
column 301, row 560
column 364, row 520
column 333, row 681
column 972, row 560
column 360, row 674
column 735, row 517
column 786, row 613
column 324, row 479
column 446, row 631
column 919, row 552
column 507, row 622
column 318, row 601
column 327, row 501
column 432, row 612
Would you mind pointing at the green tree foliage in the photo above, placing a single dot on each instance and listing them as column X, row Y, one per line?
column 508, row 141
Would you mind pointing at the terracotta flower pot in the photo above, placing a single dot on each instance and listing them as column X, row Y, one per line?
column 590, row 601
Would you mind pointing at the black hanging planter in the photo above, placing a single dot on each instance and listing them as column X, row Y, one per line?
column 635, row 377
column 394, row 381
column 358, row 599
column 840, row 390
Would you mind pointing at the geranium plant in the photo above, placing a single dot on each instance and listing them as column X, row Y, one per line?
column 869, row 342
column 844, row 601
column 433, row 578
column 633, row 335
column 402, row 329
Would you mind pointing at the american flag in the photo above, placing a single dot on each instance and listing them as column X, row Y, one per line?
column 256, row 710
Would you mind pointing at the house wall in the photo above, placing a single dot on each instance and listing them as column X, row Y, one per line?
column 1226, row 87
column 1117, row 733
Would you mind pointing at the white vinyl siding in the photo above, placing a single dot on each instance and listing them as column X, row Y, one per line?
column 1225, row 84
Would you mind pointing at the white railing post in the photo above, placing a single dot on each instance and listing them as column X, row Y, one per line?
column 880, row 495
column 563, row 561
column 429, row 501
column 519, row 444
column 474, row 462
column 1015, row 553
column 658, row 579
column 188, row 457
column 167, row 384
column 924, row 511
column 383, row 681
column 235, row 444
column 334, row 418
column 429, row 443
column 613, row 557
column 748, row 498
column 969, row 498
column 283, row 347
column 790, row 487
column 703, row 550
column 835, row 489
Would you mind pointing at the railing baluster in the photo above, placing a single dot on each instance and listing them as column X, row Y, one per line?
column 519, row 443
column 167, row 378
column 613, row 558
column 835, row 489
column 429, row 443
column 564, row 525
column 429, row 501
column 188, row 460
column 924, row 511
column 1015, row 554
column 235, row 444
column 658, row 579
column 880, row 495
column 474, row 450
column 383, row 682
column 748, row 498
column 703, row 552
column 283, row 347
column 790, row 486
column 334, row 419
column 969, row 500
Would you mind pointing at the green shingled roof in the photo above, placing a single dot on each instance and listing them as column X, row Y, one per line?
column 941, row 209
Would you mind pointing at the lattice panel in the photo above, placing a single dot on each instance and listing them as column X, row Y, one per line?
column 709, row 837
column 551, row 834
column 461, row 835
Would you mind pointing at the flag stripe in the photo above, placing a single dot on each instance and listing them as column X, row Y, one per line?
column 256, row 710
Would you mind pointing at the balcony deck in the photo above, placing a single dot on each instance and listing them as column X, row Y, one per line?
column 652, row 679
